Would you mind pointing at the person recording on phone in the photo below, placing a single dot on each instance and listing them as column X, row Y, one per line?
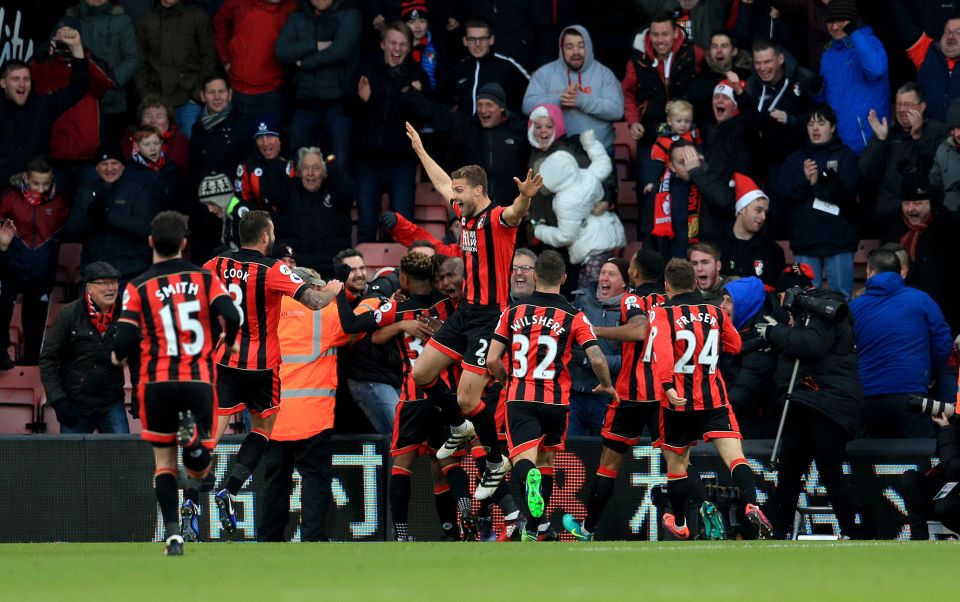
column 817, row 379
column 935, row 494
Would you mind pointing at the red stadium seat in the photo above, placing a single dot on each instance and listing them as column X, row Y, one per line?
column 436, row 229
column 625, row 147
column 430, row 213
column 21, row 393
column 382, row 255
column 427, row 196
column 68, row 267
column 629, row 213
column 627, row 194
column 631, row 249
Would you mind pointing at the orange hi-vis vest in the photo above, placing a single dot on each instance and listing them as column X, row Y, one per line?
column 309, row 342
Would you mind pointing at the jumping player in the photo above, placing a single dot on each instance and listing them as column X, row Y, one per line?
column 251, row 378
column 684, row 344
column 173, row 304
column 487, row 240
column 538, row 334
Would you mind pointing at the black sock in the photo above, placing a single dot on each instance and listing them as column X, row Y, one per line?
column 166, row 488
column 458, row 480
column 446, row 400
column 399, row 496
column 486, row 428
column 677, row 490
column 742, row 477
column 696, row 488
column 520, row 470
column 192, row 491
column 507, row 504
column 600, row 493
column 446, row 510
column 251, row 450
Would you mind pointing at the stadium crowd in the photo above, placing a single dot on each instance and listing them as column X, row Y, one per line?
column 823, row 123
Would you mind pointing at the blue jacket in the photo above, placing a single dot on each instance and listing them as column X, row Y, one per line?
column 903, row 340
column 600, row 313
column 856, row 79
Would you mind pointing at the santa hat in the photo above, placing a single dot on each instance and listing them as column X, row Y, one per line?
column 726, row 88
column 745, row 191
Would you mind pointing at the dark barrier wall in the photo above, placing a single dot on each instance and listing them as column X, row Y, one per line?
column 73, row 488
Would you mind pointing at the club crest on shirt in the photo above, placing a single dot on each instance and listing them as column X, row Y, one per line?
column 758, row 267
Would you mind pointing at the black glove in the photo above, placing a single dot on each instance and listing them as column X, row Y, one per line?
column 97, row 211
column 134, row 404
column 341, row 272
column 389, row 219
column 66, row 415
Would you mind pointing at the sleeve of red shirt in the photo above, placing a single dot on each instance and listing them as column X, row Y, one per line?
column 583, row 331
column 918, row 52
column 217, row 289
column 281, row 278
column 130, row 310
column 405, row 232
column 729, row 337
column 659, row 338
column 386, row 314
column 497, row 217
column 631, row 306
column 502, row 331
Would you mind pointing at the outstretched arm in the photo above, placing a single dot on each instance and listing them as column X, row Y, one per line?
column 633, row 331
column 438, row 177
column 529, row 188
column 315, row 299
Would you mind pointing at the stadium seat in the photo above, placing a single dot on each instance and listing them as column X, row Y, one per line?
column 629, row 213
column 438, row 230
column 21, row 393
column 631, row 249
column 627, row 194
column 427, row 196
column 430, row 213
column 625, row 147
column 68, row 266
column 382, row 255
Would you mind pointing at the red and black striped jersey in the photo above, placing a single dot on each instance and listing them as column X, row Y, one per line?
column 539, row 333
column 686, row 338
column 435, row 304
column 486, row 245
column 256, row 284
column 636, row 381
column 170, row 304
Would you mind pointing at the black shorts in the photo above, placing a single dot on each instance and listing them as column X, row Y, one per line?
column 532, row 424
column 625, row 421
column 680, row 430
column 255, row 390
column 466, row 334
column 161, row 403
column 418, row 427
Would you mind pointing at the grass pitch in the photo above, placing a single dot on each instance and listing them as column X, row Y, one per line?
column 434, row 571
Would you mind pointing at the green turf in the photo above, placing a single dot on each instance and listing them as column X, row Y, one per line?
column 490, row 572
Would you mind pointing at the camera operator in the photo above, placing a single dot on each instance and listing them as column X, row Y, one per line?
column 920, row 490
column 818, row 360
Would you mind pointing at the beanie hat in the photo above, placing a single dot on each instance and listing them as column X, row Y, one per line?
column 414, row 9
column 494, row 92
column 842, row 10
column 623, row 265
column 797, row 274
column 745, row 191
column 726, row 88
column 107, row 151
column 953, row 114
column 748, row 297
column 217, row 189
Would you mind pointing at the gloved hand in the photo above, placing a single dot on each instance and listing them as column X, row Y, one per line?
column 389, row 219
column 763, row 326
column 134, row 404
column 341, row 272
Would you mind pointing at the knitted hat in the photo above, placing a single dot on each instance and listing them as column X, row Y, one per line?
column 745, row 191
column 494, row 92
column 623, row 265
column 414, row 9
column 842, row 10
column 107, row 151
column 268, row 125
column 726, row 88
column 217, row 189
column 953, row 114
column 797, row 274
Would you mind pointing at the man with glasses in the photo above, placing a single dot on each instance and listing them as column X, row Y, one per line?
column 911, row 141
column 83, row 386
column 523, row 279
column 482, row 66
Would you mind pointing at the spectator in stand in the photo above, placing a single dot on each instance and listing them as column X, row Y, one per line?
column 216, row 145
column 217, row 195
column 406, row 233
column 26, row 119
column 912, row 141
column 315, row 218
column 725, row 142
column 600, row 302
column 264, row 177
column 110, row 35
column 155, row 112
column 322, row 39
column 523, row 280
column 38, row 212
column 903, row 344
column 945, row 173
column 698, row 18
column 246, row 34
column 524, row 29
column 177, row 51
column 935, row 60
column 82, row 385
column 768, row 19
column 148, row 161
column 483, row 65
column 384, row 159
column 721, row 57
column 707, row 267
column 745, row 248
column 820, row 184
column 784, row 92
column 928, row 232
column 112, row 216
column 426, row 52
column 679, row 126
column 493, row 139
column 588, row 92
column 855, row 73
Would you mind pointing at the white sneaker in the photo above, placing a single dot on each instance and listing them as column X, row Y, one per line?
column 457, row 438
column 491, row 479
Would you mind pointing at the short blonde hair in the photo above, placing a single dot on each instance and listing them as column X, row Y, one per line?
column 679, row 107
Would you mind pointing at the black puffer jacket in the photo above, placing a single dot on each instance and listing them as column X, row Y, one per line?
column 75, row 363
column 378, row 124
column 827, row 379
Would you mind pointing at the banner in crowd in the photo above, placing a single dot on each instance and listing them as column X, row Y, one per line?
column 100, row 488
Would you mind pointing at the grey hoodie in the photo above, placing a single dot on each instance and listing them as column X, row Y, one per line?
column 599, row 103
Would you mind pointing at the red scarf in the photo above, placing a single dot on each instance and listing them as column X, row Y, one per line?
column 36, row 198
column 100, row 320
column 912, row 237
column 662, row 218
column 155, row 166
